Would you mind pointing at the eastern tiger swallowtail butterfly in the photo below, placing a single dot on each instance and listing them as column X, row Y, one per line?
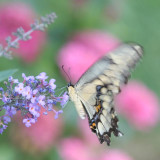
column 93, row 94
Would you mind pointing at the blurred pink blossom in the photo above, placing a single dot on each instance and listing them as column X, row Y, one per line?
column 139, row 105
column 83, row 50
column 115, row 155
column 76, row 149
column 40, row 136
column 13, row 16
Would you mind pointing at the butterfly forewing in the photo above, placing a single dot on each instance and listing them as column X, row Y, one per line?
column 97, row 87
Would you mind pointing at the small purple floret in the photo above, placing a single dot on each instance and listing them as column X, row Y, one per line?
column 10, row 79
column 29, row 78
column 57, row 114
column 6, row 119
column 1, row 130
column 19, row 89
column 65, row 99
column 42, row 76
column 10, row 110
column 33, row 109
column 28, row 121
column 27, row 92
column 41, row 99
column 51, row 83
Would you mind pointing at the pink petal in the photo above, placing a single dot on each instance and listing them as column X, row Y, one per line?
column 139, row 105
column 115, row 155
column 74, row 149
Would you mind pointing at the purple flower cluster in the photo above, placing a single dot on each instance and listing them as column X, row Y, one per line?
column 29, row 97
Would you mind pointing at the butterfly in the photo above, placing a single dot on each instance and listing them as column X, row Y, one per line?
column 93, row 94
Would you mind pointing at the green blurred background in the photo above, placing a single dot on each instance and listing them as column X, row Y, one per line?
column 136, row 21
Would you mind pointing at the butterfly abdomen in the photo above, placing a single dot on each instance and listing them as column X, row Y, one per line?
column 74, row 97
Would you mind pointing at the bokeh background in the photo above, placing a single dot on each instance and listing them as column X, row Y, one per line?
column 84, row 31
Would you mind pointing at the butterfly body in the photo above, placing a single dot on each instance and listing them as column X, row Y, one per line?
column 94, row 93
column 74, row 97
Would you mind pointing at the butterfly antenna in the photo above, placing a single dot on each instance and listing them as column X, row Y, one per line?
column 60, row 88
column 68, row 75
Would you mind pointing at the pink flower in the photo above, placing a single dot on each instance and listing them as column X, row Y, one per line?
column 74, row 149
column 115, row 155
column 40, row 136
column 84, row 49
column 13, row 16
column 139, row 105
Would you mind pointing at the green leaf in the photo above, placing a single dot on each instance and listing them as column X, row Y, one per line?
column 5, row 74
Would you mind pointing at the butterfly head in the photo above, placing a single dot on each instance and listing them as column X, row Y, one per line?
column 71, row 92
column 70, row 85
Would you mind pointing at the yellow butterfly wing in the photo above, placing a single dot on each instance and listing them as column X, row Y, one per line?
column 94, row 93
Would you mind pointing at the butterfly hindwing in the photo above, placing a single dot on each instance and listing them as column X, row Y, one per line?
column 99, row 99
column 96, row 89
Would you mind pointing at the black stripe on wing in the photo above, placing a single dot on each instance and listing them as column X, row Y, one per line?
column 104, row 122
